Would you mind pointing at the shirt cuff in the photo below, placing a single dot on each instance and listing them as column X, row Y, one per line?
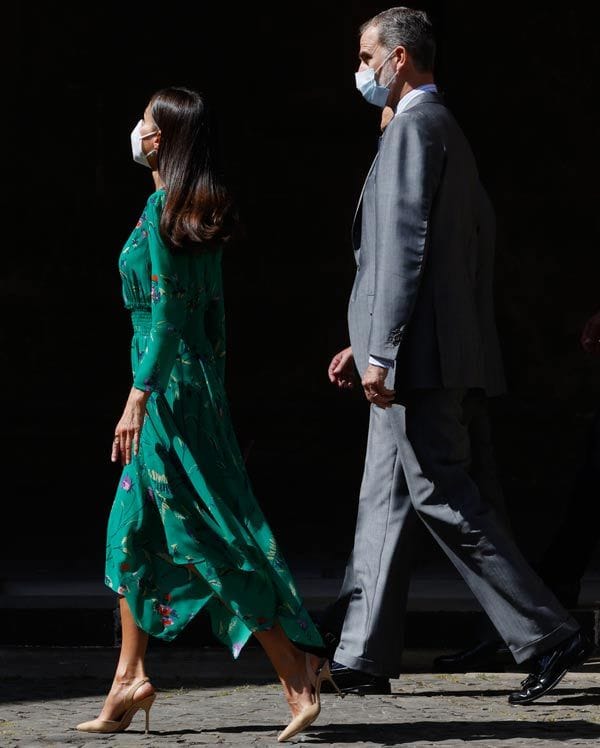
column 385, row 363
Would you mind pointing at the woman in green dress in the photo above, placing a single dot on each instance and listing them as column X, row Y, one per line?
column 185, row 532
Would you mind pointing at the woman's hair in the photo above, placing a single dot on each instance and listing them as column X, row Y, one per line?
column 199, row 211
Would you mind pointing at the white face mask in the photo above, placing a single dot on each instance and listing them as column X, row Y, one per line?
column 136, row 144
column 372, row 91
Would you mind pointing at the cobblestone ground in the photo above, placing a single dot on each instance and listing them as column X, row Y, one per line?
column 423, row 710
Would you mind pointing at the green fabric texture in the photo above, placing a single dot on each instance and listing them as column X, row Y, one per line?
column 185, row 532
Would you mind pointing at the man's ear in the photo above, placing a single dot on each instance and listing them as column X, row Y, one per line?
column 400, row 57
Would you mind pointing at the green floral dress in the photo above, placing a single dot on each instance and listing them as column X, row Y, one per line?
column 185, row 531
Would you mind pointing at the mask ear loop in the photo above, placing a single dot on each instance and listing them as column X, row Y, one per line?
column 386, row 85
column 148, row 135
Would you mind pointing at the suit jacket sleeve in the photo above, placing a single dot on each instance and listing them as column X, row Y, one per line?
column 409, row 170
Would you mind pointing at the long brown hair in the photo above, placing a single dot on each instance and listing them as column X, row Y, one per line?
column 199, row 211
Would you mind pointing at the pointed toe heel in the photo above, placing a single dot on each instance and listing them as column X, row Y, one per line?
column 327, row 676
column 131, row 707
column 308, row 715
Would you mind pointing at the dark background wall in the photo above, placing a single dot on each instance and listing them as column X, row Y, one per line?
column 520, row 78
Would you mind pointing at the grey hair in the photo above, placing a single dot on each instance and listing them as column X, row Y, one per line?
column 408, row 28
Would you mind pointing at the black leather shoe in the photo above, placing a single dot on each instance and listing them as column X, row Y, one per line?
column 355, row 681
column 485, row 655
column 551, row 667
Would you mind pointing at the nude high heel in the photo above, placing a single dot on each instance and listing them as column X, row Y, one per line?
column 310, row 713
column 131, row 707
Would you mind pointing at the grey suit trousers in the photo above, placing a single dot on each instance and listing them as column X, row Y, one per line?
column 417, row 469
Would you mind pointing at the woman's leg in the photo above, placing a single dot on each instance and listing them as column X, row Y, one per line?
column 290, row 664
column 130, row 667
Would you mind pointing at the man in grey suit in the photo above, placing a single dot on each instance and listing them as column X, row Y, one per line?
column 423, row 339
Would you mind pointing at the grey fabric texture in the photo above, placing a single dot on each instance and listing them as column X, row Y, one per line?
column 417, row 469
column 424, row 237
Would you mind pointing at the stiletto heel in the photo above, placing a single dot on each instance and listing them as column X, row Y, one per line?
column 329, row 677
column 310, row 713
column 131, row 707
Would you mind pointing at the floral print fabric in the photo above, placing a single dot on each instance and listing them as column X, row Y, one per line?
column 185, row 532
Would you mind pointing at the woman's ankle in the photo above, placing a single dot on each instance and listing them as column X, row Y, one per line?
column 126, row 675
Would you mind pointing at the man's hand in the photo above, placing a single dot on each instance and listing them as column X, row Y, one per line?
column 341, row 369
column 590, row 337
column 373, row 384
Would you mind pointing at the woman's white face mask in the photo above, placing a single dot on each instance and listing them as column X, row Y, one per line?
column 136, row 144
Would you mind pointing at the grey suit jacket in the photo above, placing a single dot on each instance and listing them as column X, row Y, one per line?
column 424, row 235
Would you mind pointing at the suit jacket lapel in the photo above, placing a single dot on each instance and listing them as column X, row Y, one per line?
column 430, row 97
column 357, row 212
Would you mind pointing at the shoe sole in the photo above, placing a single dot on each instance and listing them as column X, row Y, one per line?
column 531, row 699
column 580, row 660
column 477, row 667
column 365, row 691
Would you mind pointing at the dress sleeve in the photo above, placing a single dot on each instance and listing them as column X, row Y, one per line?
column 168, row 305
column 215, row 320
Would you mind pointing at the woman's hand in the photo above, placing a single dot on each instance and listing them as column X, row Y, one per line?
column 127, row 433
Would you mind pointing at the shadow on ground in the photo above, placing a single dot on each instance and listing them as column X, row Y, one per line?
column 409, row 732
column 583, row 697
column 20, row 689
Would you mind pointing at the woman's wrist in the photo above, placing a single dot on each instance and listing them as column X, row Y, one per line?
column 139, row 396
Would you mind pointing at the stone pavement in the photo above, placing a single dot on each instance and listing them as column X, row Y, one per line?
column 205, row 699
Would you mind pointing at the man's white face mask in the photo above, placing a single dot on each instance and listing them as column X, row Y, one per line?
column 374, row 92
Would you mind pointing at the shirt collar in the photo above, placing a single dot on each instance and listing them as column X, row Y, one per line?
column 405, row 100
